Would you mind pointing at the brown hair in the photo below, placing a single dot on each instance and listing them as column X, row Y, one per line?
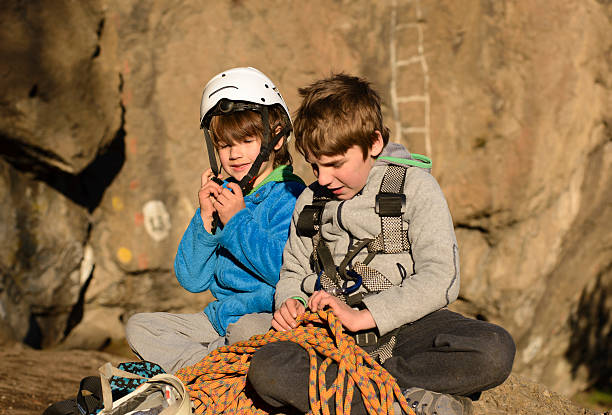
column 337, row 113
column 237, row 126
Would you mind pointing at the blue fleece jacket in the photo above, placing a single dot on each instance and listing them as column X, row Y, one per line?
column 240, row 263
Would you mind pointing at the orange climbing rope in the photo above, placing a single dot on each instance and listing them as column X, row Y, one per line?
column 216, row 384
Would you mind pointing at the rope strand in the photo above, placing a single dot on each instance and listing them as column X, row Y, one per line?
column 216, row 384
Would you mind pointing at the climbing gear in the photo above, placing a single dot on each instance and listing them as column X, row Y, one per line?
column 88, row 400
column 216, row 384
column 162, row 393
column 425, row 402
column 121, row 385
column 344, row 281
column 113, row 384
column 241, row 89
column 345, row 289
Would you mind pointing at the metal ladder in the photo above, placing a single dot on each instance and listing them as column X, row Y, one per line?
column 410, row 101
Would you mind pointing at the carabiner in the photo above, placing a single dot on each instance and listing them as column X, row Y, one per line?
column 346, row 289
column 357, row 279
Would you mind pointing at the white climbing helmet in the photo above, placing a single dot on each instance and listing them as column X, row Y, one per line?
column 242, row 85
column 241, row 89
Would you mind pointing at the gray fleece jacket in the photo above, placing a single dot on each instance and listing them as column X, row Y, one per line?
column 424, row 279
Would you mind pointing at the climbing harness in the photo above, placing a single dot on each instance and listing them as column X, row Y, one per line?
column 344, row 280
column 216, row 384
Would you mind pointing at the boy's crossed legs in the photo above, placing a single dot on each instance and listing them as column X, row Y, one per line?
column 442, row 352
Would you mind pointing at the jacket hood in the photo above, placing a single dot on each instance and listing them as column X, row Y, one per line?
column 397, row 154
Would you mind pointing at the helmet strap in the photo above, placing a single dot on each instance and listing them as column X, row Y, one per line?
column 211, row 153
column 267, row 147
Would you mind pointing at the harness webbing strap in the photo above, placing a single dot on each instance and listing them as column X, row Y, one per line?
column 329, row 277
column 390, row 206
column 350, row 255
column 216, row 384
column 391, row 203
column 309, row 224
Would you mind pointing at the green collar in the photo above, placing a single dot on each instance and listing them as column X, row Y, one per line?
column 418, row 160
column 282, row 173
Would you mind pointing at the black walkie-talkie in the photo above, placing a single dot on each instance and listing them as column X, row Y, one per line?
column 216, row 220
column 215, row 171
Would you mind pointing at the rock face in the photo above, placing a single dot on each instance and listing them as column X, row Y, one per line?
column 45, row 252
column 101, row 152
column 60, row 94
column 527, row 171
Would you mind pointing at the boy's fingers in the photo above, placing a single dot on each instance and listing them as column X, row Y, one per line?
column 299, row 310
column 206, row 176
column 285, row 317
column 279, row 322
column 225, row 194
column 210, row 188
column 275, row 325
column 291, row 308
column 288, row 318
column 315, row 300
column 235, row 188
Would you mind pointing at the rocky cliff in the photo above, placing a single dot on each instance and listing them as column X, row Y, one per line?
column 100, row 152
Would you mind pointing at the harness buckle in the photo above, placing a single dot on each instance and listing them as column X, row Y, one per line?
column 367, row 338
column 390, row 204
column 309, row 220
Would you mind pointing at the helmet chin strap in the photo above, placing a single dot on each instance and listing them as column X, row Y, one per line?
column 246, row 184
column 211, row 156
column 267, row 146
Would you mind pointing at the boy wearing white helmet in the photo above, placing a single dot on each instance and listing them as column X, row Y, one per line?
column 233, row 244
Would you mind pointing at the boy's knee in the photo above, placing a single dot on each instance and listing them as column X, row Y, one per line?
column 136, row 327
column 279, row 374
column 499, row 351
column 247, row 326
column 272, row 360
column 502, row 345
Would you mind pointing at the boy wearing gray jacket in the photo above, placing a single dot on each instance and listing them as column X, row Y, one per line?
column 373, row 241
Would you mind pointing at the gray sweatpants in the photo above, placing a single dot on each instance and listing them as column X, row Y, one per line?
column 174, row 341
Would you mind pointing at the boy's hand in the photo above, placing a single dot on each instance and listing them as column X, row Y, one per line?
column 285, row 317
column 352, row 320
column 229, row 202
column 209, row 190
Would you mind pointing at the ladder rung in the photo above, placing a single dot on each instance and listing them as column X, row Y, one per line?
column 410, row 61
column 412, row 98
column 409, row 130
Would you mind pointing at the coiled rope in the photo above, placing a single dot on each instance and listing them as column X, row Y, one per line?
column 216, row 384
